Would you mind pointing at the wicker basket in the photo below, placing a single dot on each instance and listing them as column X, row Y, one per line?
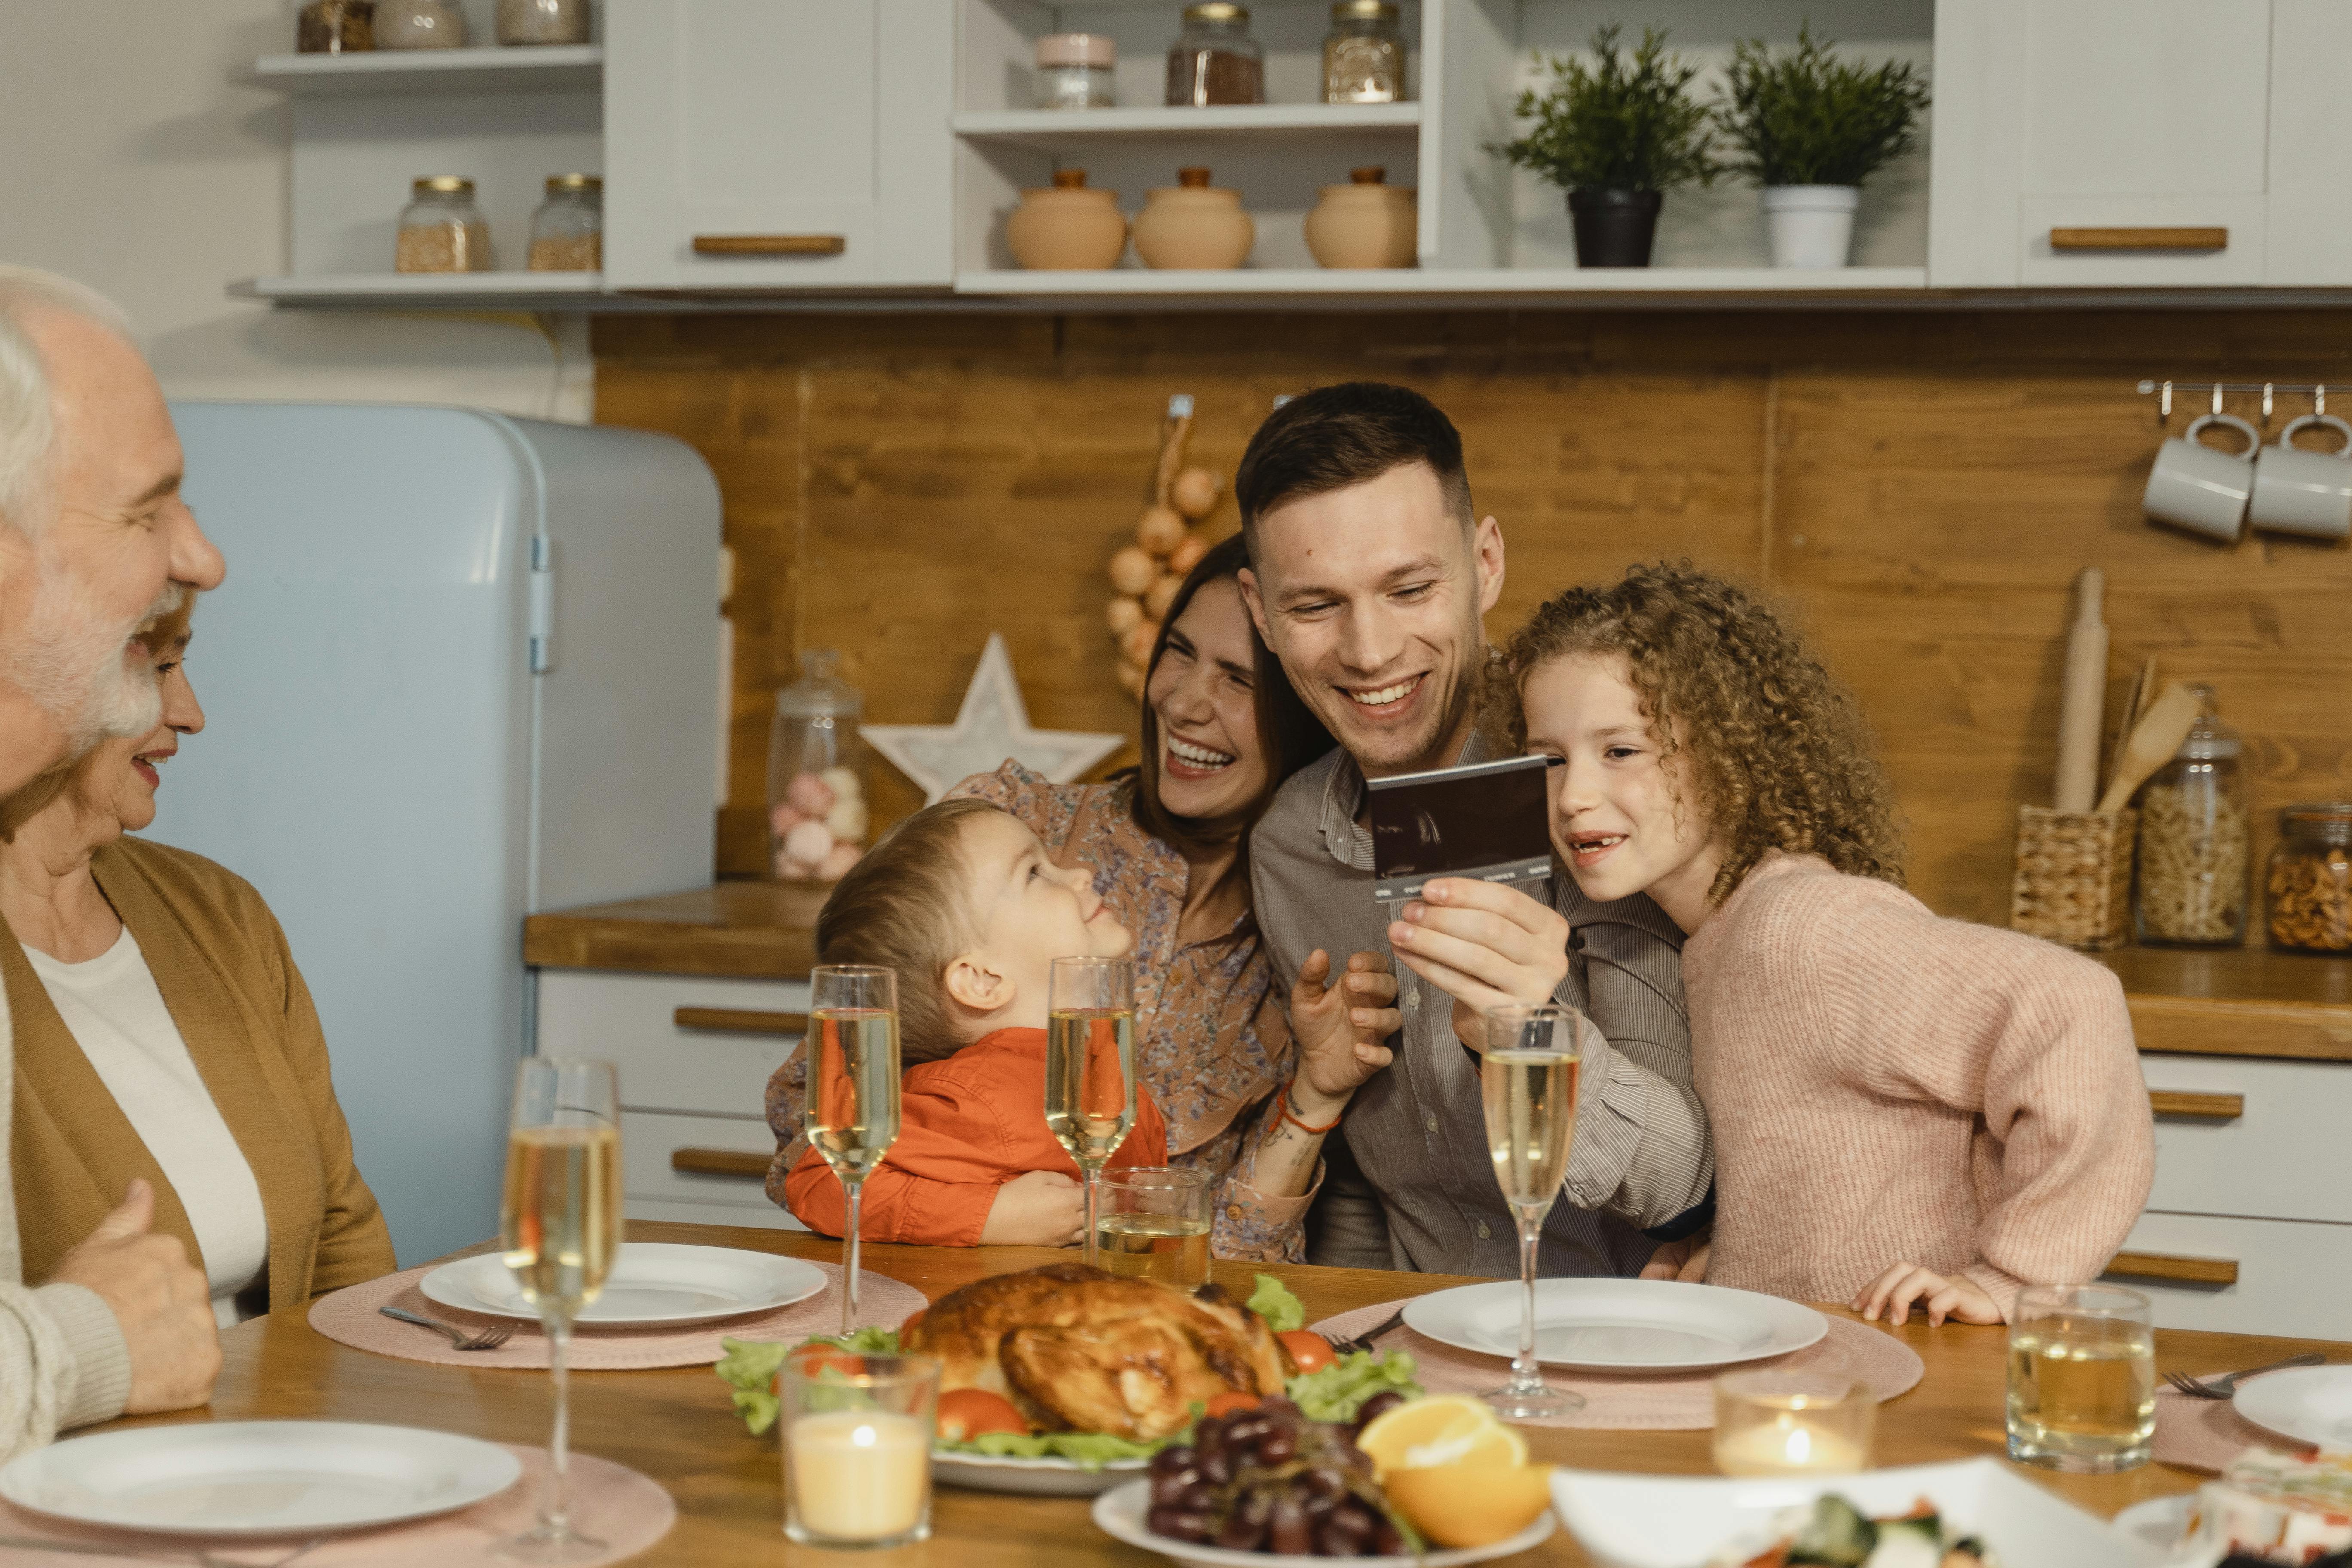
column 2073, row 875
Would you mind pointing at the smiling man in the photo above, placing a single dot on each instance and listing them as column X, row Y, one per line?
column 1371, row 576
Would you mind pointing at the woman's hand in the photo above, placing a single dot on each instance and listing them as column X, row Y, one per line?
column 1038, row 1209
column 1685, row 1260
column 1340, row 1028
column 1484, row 944
column 1959, row 1298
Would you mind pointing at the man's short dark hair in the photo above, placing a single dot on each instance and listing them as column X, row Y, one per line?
column 1334, row 436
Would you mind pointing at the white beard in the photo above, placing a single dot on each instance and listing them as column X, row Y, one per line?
column 83, row 670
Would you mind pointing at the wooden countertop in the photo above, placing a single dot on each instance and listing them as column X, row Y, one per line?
column 674, row 1424
column 748, row 930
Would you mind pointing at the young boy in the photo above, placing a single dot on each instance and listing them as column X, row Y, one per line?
column 964, row 903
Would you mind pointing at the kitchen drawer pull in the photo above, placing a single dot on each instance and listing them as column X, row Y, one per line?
column 769, row 244
column 2208, row 1107
column 721, row 1163
column 2169, row 1266
column 740, row 1021
column 2140, row 239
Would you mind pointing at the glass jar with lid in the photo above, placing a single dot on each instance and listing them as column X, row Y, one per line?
column 1363, row 54
column 817, row 764
column 335, row 27
column 544, row 21
column 567, row 232
column 441, row 229
column 2193, row 840
column 1078, row 70
column 2311, row 879
column 419, row 25
column 1216, row 60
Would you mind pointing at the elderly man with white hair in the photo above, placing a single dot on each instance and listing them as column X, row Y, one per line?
column 95, row 541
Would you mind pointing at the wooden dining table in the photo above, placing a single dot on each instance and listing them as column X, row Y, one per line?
column 675, row 1424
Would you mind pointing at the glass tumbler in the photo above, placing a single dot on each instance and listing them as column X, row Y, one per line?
column 1155, row 1225
column 856, row 1435
column 1771, row 1423
column 2082, row 1378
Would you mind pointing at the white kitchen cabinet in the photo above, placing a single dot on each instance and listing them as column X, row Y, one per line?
column 2310, row 240
column 767, row 144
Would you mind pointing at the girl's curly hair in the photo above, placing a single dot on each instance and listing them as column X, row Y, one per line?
column 1777, row 750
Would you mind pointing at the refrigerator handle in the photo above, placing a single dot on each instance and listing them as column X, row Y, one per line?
column 542, row 603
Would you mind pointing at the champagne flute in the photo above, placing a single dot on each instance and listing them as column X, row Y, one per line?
column 560, row 1221
column 1529, row 1081
column 1090, row 1068
column 852, row 1116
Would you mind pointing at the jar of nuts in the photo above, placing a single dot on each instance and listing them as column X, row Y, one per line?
column 441, row 230
column 2192, row 840
column 567, row 232
column 2311, row 879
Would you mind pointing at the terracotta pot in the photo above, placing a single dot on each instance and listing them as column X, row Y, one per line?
column 1364, row 223
column 1072, row 228
column 1193, row 226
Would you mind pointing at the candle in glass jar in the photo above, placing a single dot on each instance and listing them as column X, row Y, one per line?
column 1786, row 1445
column 858, row 1475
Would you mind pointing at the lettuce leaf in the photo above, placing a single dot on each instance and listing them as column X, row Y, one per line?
column 1273, row 1301
column 1087, row 1450
column 749, row 1367
column 1339, row 1389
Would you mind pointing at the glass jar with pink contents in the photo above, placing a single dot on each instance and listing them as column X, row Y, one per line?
column 816, row 774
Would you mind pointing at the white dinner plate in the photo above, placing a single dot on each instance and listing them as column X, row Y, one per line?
column 2311, row 1403
column 1678, row 1521
column 1043, row 1477
column 652, row 1284
column 257, row 1478
column 1619, row 1325
column 1120, row 1513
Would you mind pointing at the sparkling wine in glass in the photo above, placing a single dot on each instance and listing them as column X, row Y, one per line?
column 1090, row 1068
column 1528, row 1079
column 561, row 1220
column 852, row 1116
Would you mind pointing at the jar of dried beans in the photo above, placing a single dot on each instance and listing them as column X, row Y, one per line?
column 442, row 230
column 335, row 27
column 1363, row 54
column 544, row 21
column 817, row 819
column 419, row 25
column 2311, row 879
column 567, row 233
column 1216, row 60
column 2193, row 840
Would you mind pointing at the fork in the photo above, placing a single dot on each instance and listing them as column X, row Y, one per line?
column 488, row 1339
column 1364, row 1342
column 2223, row 1387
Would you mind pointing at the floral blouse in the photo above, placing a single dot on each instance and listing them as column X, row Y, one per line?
column 1215, row 1038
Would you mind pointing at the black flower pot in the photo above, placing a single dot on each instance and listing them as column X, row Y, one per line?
column 1614, row 228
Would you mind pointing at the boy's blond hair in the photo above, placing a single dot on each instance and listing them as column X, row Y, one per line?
column 907, row 906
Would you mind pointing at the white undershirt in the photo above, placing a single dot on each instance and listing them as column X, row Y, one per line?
column 116, row 1014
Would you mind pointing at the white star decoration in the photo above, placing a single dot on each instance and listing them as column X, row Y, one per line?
column 991, row 725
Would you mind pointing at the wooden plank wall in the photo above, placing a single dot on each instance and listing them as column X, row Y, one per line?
column 1922, row 485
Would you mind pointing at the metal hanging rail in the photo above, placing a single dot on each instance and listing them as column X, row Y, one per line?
column 2269, row 389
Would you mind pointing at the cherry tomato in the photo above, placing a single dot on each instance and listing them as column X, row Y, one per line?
column 1312, row 1352
column 966, row 1413
column 815, row 1360
column 910, row 1325
column 1225, row 1403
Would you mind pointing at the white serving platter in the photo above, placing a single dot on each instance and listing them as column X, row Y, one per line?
column 257, row 1478
column 652, row 1285
column 1678, row 1521
column 1043, row 1477
column 1121, row 1512
column 1620, row 1325
column 2310, row 1404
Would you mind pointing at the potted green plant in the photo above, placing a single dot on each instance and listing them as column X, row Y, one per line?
column 1616, row 134
column 1811, row 127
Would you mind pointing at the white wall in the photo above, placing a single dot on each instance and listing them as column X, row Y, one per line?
column 129, row 159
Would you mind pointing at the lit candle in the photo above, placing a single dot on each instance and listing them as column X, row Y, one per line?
column 1787, row 1445
column 858, row 1475
column 1770, row 1423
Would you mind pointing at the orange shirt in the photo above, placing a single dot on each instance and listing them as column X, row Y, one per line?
column 968, row 1124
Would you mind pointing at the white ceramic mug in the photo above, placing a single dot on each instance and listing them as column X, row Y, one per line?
column 2296, row 491
column 2195, row 487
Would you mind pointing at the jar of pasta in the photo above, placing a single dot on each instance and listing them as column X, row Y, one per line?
column 2311, row 879
column 2193, row 840
column 441, row 229
column 567, row 233
column 1363, row 54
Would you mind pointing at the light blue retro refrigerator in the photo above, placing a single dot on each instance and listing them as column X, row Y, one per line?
column 463, row 667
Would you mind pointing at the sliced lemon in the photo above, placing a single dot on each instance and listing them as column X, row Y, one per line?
column 1470, row 1505
column 1442, row 1429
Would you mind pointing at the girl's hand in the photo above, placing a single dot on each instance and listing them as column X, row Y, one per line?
column 1036, row 1208
column 1340, row 1028
column 1483, row 944
column 1685, row 1260
column 1959, row 1298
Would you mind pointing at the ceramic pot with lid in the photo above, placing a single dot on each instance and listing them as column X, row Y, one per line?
column 1193, row 226
column 1364, row 223
column 1070, row 227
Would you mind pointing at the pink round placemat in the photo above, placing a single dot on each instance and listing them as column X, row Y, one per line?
column 351, row 1316
column 612, row 1503
column 1676, row 1402
column 2207, row 1434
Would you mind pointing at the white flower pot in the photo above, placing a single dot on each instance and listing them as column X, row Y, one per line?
column 1810, row 226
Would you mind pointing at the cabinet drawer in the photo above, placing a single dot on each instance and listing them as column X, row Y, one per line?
column 2137, row 241
column 681, row 1043
column 652, row 1146
column 2278, row 1158
column 2291, row 1277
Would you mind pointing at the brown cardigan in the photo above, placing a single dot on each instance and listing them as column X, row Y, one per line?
column 222, row 964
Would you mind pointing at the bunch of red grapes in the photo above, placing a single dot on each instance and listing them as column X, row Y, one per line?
column 1268, row 1480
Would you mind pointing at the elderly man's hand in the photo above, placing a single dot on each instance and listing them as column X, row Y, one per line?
column 158, row 1298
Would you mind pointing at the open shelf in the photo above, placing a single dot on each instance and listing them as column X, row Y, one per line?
column 498, row 290
column 1053, row 127
column 1483, row 283
column 551, row 68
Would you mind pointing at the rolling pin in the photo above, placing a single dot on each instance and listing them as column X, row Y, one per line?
column 2152, row 743
column 2083, row 697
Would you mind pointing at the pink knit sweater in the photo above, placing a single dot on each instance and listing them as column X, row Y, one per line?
column 1887, row 1087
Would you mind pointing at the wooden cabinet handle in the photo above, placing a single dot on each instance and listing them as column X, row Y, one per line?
column 769, row 244
column 2167, row 1266
column 740, row 1021
column 2140, row 239
column 2210, row 1106
column 721, row 1163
